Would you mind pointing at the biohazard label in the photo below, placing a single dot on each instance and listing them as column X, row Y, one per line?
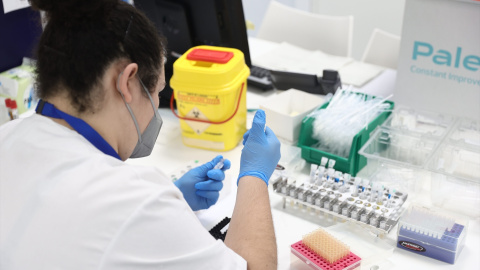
column 197, row 127
column 197, row 98
column 412, row 246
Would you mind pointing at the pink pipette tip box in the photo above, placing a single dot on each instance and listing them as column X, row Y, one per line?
column 350, row 262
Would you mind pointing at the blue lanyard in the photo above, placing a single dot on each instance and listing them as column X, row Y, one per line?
column 47, row 109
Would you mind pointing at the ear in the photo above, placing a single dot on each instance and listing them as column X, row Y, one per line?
column 125, row 80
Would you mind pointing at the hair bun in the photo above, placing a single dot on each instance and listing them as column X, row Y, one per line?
column 73, row 9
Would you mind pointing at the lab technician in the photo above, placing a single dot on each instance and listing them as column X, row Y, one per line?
column 67, row 199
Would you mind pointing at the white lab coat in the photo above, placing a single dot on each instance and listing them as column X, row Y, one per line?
column 66, row 205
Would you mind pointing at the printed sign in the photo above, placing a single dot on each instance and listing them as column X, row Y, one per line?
column 439, row 61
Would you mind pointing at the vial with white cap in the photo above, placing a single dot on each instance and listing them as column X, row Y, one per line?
column 313, row 171
column 323, row 162
column 319, row 175
column 355, row 186
column 331, row 163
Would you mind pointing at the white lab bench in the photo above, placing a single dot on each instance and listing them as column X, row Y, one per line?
column 290, row 224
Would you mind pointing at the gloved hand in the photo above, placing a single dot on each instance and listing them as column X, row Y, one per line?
column 201, row 185
column 261, row 152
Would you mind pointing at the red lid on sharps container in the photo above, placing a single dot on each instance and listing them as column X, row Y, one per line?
column 7, row 102
column 220, row 57
column 13, row 104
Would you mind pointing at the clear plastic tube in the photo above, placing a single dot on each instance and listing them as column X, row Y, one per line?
column 219, row 165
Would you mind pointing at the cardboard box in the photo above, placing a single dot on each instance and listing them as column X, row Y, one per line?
column 18, row 84
column 286, row 111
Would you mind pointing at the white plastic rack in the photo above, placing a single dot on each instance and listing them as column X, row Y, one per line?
column 344, row 197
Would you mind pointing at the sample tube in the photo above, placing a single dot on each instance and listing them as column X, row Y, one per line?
column 383, row 224
column 354, row 214
column 380, row 197
column 319, row 175
column 323, row 162
column 331, row 163
column 363, row 218
column 13, row 105
column 219, row 164
column 338, row 176
column 374, row 221
column 9, row 108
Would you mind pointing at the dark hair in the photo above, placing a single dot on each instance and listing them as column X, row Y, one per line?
column 83, row 37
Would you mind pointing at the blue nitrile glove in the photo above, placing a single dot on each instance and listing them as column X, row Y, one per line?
column 201, row 185
column 261, row 152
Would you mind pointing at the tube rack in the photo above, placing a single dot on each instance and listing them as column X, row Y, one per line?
column 431, row 234
column 322, row 251
column 344, row 197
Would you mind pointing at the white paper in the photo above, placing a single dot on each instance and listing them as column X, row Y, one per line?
column 288, row 57
column 285, row 57
column 12, row 5
column 359, row 73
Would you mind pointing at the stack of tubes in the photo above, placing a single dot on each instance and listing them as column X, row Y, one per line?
column 346, row 115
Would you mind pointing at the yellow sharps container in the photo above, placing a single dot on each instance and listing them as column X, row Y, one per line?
column 210, row 84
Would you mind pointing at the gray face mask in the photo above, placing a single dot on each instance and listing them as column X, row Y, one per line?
column 146, row 141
